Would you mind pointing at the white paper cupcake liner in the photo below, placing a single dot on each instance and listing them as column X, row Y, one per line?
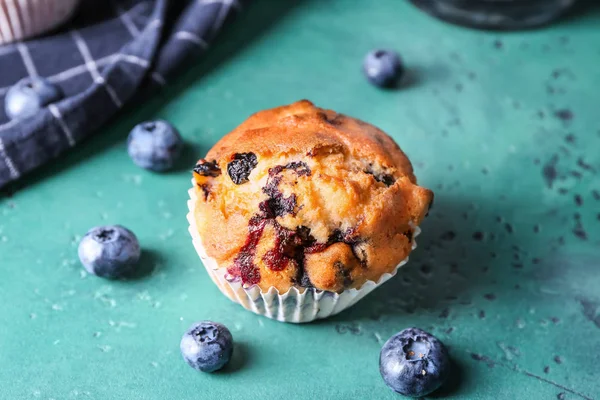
column 22, row 19
column 293, row 306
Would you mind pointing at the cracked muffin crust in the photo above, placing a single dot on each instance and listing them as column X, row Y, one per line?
column 306, row 197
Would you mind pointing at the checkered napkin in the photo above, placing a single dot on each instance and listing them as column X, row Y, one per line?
column 100, row 60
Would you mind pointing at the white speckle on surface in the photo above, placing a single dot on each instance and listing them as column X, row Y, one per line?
column 144, row 296
column 66, row 262
column 520, row 323
column 112, row 303
column 104, row 216
column 57, row 307
column 97, row 334
column 57, row 341
column 237, row 326
column 183, row 296
column 101, row 295
column 531, row 310
column 378, row 338
column 260, row 322
column 154, row 364
column 83, row 274
column 36, row 393
column 167, row 234
column 4, row 239
column 76, row 239
column 32, row 316
column 509, row 352
column 156, row 304
column 70, row 292
column 77, row 393
column 121, row 324
column 105, row 348
column 135, row 179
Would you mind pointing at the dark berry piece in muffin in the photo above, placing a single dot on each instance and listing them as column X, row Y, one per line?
column 386, row 179
column 207, row 168
column 241, row 166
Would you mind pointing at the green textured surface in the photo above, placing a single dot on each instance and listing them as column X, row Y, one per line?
column 481, row 121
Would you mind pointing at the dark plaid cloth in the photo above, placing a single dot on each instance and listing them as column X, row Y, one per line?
column 100, row 60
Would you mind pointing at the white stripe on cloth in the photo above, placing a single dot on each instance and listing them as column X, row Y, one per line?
column 27, row 61
column 191, row 37
column 80, row 69
column 59, row 118
column 154, row 24
column 93, row 67
column 223, row 11
column 9, row 124
column 230, row 3
column 126, row 19
column 158, row 78
column 133, row 60
column 14, row 173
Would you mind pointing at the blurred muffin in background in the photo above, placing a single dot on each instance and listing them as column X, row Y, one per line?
column 22, row 19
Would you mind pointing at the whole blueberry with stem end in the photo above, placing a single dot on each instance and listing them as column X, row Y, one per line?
column 207, row 346
column 28, row 96
column 109, row 251
column 383, row 68
column 154, row 145
column 414, row 363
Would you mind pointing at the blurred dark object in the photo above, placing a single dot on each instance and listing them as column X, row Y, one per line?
column 496, row 14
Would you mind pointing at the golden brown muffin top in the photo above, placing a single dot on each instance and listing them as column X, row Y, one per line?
column 306, row 197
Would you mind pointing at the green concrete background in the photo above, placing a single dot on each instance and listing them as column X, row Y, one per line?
column 503, row 127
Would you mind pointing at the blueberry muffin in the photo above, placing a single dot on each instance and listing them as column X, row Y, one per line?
column 302, row 197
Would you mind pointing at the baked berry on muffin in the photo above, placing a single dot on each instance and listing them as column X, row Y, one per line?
column 299, row 196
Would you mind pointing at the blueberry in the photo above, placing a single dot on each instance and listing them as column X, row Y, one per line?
column 383, row 68
column 154, row 145
column 207, row 346
column 109, row 251
column 28, row 96
column 241, row 166
column 414, row 362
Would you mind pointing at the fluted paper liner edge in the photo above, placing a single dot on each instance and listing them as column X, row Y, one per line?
column 295, row 305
